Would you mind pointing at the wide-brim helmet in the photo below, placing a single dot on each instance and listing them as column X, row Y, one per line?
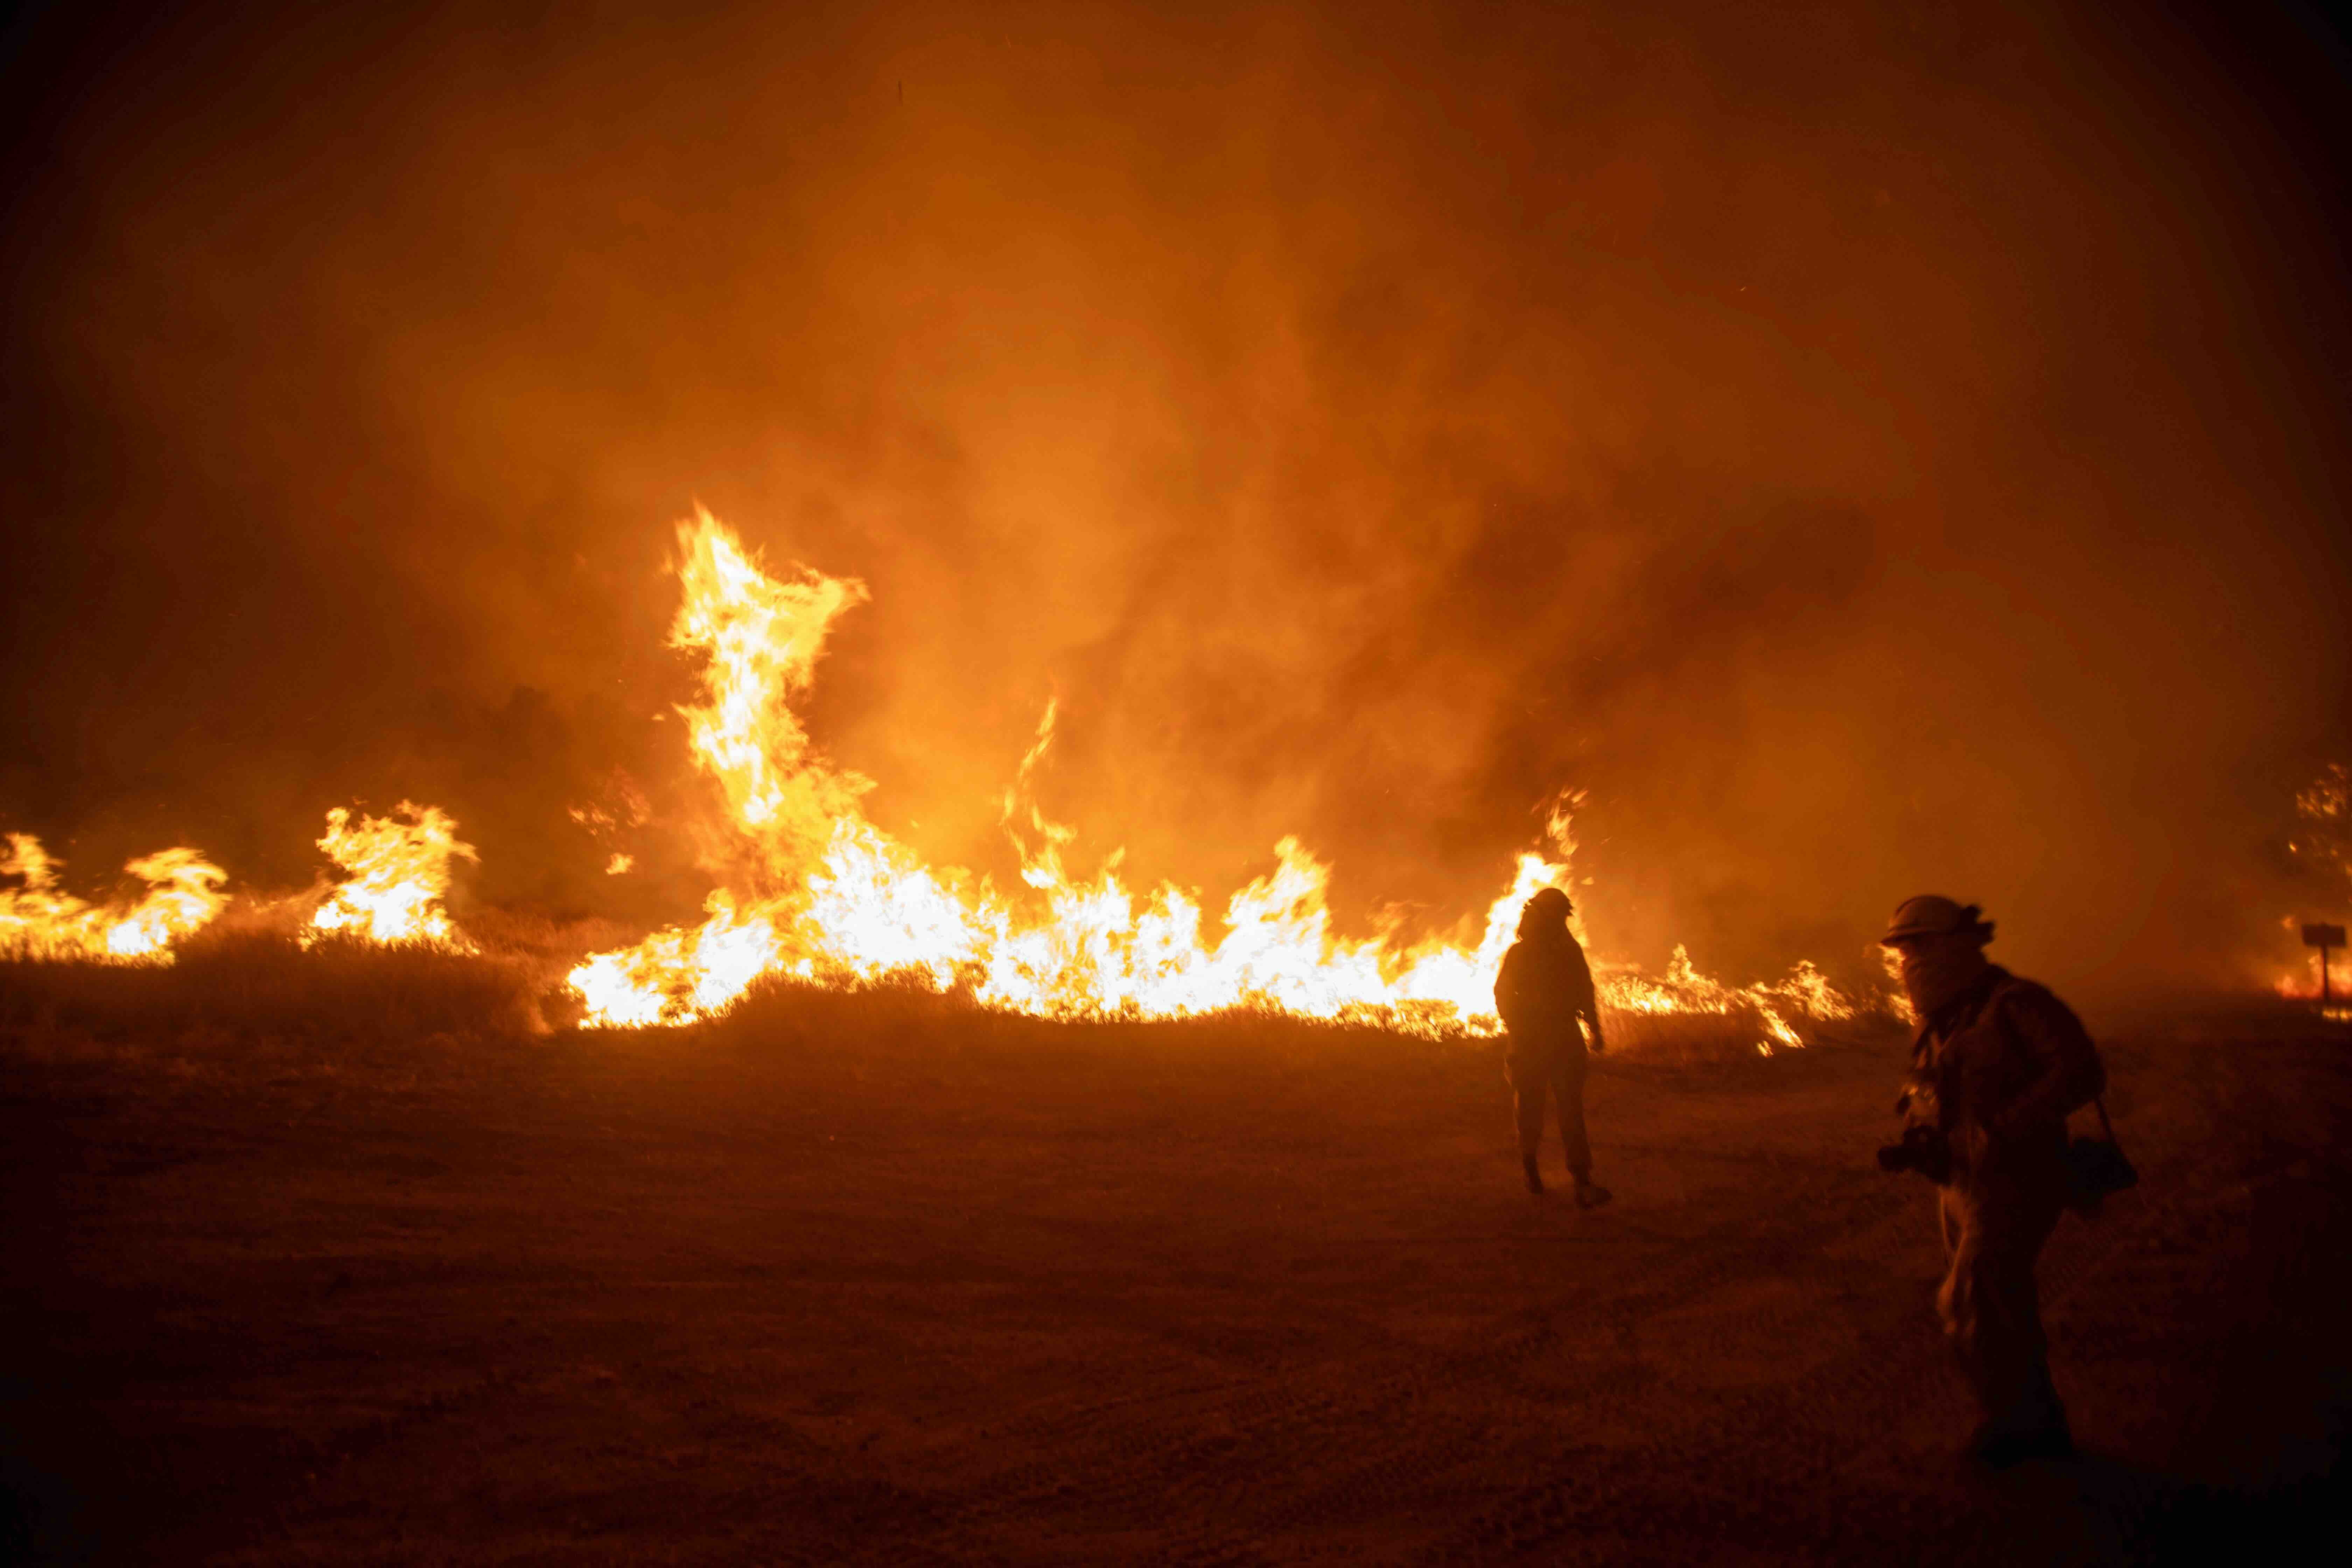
column 1549, row 907
column 1932, row 914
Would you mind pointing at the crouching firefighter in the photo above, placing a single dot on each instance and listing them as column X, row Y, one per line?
column 1997, row 1065
column 1543, row 991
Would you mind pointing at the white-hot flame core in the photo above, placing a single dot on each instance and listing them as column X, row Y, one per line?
column 397, row 870
column 841, row 901
column 39, row 919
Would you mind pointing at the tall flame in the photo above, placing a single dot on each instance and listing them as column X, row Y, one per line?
column 38, row 920
column 835, row 899
column 397, row 869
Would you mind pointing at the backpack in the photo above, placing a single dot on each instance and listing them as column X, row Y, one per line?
column 2096, row 1167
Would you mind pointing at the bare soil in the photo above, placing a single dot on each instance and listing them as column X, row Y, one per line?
column 972, row 1294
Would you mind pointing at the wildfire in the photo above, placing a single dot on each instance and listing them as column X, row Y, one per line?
column 397, row 869
column 2303, row 985
column 831, row 898
column 2324, row 811
column 38, row 920
column 837, row 899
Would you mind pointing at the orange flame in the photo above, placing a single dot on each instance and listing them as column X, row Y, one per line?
column 397, row 868
column 38, row 920
column 839, row 899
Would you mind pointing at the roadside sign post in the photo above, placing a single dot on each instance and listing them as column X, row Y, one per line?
column 2323, row 938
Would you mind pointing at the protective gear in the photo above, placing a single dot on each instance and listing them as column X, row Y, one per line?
column 1990, row 1306
column 1555, row 1078
column 1545, row 987
column 1932, row 914
column 1940, row 943
column 1995, row 1073
column 2000, row 1070
column 1542, row 994
column 1937, row 971
column 1549, row 906
column 1922, row 1148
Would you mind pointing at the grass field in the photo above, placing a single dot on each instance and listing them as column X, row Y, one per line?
column 350, row 1258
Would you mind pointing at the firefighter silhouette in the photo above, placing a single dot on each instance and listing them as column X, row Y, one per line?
column 1997, row 1065
column 1544, row 995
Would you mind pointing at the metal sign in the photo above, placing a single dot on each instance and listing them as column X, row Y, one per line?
column 2323, row 938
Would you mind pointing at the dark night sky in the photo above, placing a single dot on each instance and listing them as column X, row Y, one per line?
column 1866, row 449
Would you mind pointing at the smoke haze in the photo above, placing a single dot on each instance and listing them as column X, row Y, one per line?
column 1867, row 450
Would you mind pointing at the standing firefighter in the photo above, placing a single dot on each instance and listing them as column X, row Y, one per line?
column 1544, row 988
column 1996, row 1067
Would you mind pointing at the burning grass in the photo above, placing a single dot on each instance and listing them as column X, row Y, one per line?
column 779, row 1011
column 828, row 895
column 832, row 899
column 260, row 984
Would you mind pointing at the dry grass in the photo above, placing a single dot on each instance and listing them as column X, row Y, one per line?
column 261, row 985
column 1686, row 1038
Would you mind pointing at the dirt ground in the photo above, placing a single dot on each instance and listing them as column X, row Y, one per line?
column 1021, row 1296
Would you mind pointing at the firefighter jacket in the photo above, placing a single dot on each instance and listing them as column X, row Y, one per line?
column 1543, row 987
column 1997, row 1071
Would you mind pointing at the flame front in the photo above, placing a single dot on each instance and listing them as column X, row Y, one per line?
column 38, row 920
column 397, row 869
column 829, row 896
column 835, row 899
